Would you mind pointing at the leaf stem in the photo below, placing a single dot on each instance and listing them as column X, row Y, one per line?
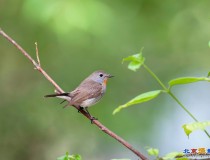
column 183, row 107
column 157, row 79
column 172, row 95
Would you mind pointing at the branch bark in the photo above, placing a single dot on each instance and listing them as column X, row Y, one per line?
column 96, row 122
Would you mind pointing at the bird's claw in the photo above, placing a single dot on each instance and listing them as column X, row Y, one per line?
column 85, row 109
column 80, row 109
column 92, row 119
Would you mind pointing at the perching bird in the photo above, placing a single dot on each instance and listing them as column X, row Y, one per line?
column 88, row 93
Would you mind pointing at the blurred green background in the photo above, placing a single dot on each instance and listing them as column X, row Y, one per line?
column 77, row 37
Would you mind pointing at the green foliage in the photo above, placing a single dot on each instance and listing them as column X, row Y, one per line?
column 186, row 80
column 139, row 99
column 173, row 155
column 121, row 159
column 70, row 157
column 136, row 61
column 183, row 158
column 189, row 128
column 153, row 152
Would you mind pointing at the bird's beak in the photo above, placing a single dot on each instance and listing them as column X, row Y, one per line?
column 110, row 76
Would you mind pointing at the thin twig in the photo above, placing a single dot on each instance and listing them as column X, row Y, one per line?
column 30, row 59
column 37, row 55
column 96, row 122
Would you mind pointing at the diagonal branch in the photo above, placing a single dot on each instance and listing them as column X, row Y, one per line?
column 96, row 122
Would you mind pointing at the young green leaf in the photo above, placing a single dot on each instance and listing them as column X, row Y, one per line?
column 182, row 158
column 121, row 159
column 172, row 155
column 134, row 65
column 153, row 152
column 189, row 128
column 186, row 80
column 136, row 61
column 139, row 99
column 62, row 158
column 70, row 157
column 76, row 157
column 208, row 74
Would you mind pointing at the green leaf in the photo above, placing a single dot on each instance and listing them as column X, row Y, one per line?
column 208, row 74
column 139, row 99
column 189, row 128
column 186, row 80
column 153, row 152
column 172, row 155
column 134, row 65
column 209, row 44
column 77, row 157
column 136, row 61
column 121, row 159
column 62, row 158
column 70, row 157
column 182, row 158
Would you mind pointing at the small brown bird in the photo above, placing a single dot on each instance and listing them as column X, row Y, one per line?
column 88, row 93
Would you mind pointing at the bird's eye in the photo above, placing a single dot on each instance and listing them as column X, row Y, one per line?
column 101, row 75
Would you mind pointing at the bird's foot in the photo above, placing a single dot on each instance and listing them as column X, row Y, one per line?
column 80, row 109
column 92, row 118
column 85, row 109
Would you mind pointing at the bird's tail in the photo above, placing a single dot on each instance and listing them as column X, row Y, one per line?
column 65, row 96
column 59, row 95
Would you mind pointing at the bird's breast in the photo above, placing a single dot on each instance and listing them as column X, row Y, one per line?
column 90, row 102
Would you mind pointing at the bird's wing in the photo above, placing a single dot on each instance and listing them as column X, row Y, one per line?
column 89, row 89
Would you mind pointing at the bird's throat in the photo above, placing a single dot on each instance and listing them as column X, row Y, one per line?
column 105, row 81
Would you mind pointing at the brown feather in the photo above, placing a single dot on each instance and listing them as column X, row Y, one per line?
column 87, row 89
